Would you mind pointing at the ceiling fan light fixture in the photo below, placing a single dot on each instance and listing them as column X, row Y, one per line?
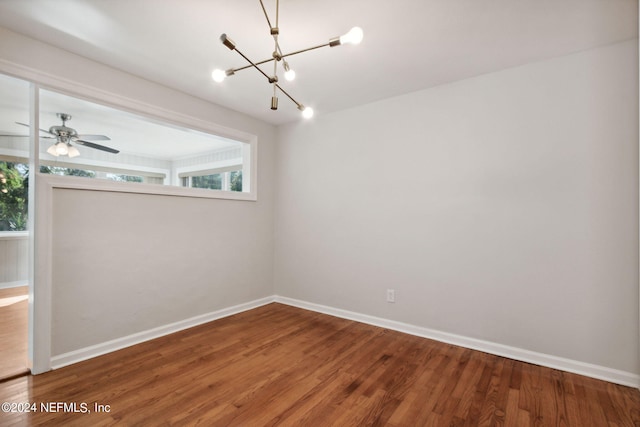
column 52, row 150
column 62, row 149
column 73, row 151
column 65, row 135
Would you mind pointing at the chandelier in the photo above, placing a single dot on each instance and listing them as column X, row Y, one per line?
column 354, row 36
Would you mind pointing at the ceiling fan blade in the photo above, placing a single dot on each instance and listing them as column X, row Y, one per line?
column 97, row 146
column 41, row 130
column 94, row 137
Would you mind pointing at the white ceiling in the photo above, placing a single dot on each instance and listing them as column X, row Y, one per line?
column 408, row 44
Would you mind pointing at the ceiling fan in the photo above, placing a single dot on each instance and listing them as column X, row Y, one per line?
column 64, row 136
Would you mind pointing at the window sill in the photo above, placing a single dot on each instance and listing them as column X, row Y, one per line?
column 92, row 184
column 13, row 235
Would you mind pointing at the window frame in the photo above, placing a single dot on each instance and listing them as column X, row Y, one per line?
column 40, row 81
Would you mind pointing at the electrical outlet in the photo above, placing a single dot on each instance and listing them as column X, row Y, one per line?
column 391, row 295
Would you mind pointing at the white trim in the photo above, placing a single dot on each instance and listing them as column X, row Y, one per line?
column 39, row 223
column 79, row 183
column 595, row 371
column 210, row 168
column 14, row 235
column 16, row 284
column 137, row 338
column 40, row 278
column 110, row 167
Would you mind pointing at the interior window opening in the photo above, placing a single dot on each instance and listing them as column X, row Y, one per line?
column 83, row 139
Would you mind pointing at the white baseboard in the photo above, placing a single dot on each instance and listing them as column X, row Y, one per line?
column 137, row 338
column 555, row 362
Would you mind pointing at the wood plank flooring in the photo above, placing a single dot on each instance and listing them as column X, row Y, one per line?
column 279, row 365
column 13, row 331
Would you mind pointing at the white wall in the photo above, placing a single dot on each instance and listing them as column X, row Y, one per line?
column 502, row 207
column 126, row 263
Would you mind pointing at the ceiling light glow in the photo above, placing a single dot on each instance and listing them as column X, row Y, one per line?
column 307, row 113
column 218, row 75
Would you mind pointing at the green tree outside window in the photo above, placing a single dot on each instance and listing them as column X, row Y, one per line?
column 14, row 191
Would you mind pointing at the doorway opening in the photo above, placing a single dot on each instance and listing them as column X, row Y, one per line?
column 14, row 258
column 15, row 239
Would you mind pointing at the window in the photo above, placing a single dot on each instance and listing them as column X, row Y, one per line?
column 59, row 170
column 139, row 177
column 14, row 190
column 82, row 139
column 212, row 182
column 14, row 155
column 225, row 181
column 114, row 145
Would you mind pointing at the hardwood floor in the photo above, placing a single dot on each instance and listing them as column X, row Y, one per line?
column 13, row 331
column 279, row 365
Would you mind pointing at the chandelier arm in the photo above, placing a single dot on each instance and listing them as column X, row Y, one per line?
column 249, row 66
column 288, row 96
column 275, row 67
column 275, row 63
column 305, row 50
column 278, row 49
column 283, row 56
column 265, row 15
column 253, row 65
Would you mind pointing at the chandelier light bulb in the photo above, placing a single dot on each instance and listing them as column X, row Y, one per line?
column 218, row 75
column 307, row 113
column 289, row 75
column 354, row 36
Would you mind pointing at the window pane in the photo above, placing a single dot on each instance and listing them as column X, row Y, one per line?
column 212, row 182
column 125, row 178
column 58, row 170
column 236, row 181
column 14, row 153
column 14, row 191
